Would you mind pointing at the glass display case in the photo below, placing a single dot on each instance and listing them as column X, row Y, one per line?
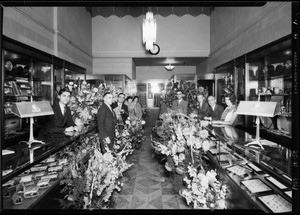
column 26, row 75
column 268, row 73
column 260, row 177
column 224, row 76
column 43, row 173
column 117, row 81
column 184, row 77
column 264, row 74
column 73, row 75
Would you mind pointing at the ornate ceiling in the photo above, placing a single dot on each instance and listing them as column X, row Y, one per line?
column 138, row 11
column 137, row 8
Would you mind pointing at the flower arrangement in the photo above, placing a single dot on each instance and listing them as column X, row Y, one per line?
column 203, row 190
column 122, row 138
column 85, row 101
column 182, row 139
column 190, row 91
column 135, row 127
column 93, row 176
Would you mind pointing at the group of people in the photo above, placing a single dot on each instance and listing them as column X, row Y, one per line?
column 210, row 110
column 108, row 116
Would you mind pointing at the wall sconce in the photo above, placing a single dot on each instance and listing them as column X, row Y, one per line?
column 149, row 31
column 169, row 67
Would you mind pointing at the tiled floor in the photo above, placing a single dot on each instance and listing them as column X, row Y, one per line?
column 146, row 185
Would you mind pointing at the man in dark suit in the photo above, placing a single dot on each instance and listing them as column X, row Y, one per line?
column 179, row 104
column 107, row 121
column 121, row 110
column 215, row 110
column 61, row 121
column 203, row 107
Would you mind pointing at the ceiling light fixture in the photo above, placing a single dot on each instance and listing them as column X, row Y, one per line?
column 169, row 67
column 149, row 31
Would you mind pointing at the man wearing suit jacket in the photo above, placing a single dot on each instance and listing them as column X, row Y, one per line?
column 121, row 110
column 107, row 121
column 61, row 121
column 179, row 104
column 215, row 110
column 203, row 106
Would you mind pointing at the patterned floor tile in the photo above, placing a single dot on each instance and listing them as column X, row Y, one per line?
column 137, row 202
column 170, row 202
column 123, row 201
column 168, row 191
column 157, row 203
column 143, row 182
column 154, row 194
column 147, row 184
column 140, row 190
column 127, row 191
column 152, row 182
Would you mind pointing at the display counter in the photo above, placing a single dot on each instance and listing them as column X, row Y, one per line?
column 40, row 167
column 261, row 176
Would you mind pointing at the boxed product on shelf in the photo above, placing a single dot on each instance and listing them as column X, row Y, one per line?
column 52, row 164
column 49, row 160
column 16, row 199
column 50, row 176
column 39, row 174
column 26, row 178
column 38, row 168
column 43, row 183
column 55, row 168
column 31, row 191
column 10, row 183
column 6, row 193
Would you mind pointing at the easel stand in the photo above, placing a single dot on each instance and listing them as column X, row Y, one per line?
column 31, row 138
column 257, row 139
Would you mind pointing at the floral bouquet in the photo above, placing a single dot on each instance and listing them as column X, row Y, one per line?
column 203, row 190
column 122, row 138
column 102, row 175
column 135, row 127
column 93, row 176
column 182, row 139
column 85, row 102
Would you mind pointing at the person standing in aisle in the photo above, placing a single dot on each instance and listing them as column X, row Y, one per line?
column 62, row 121
column 215, row 110
column 179, row 104
column 120, row 108
column 137, row 107
column 203, row 108
column 107, row 121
